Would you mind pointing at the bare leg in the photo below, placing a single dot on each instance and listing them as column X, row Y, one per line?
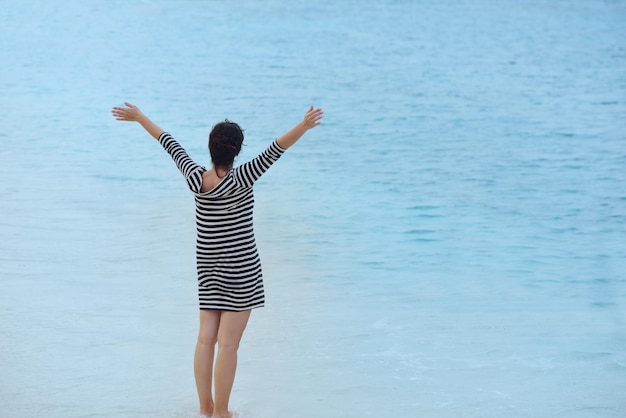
column 203, row 359
column 232, row 325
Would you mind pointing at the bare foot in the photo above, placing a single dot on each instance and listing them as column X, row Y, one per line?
column 228, row 414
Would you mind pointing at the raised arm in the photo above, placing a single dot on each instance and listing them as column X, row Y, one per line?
column 189, row 169
column 312, row 119
column 131, row 113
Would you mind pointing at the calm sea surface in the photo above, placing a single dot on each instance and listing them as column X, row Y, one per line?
column 449, row 243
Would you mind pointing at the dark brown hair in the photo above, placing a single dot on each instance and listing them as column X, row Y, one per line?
column 225, row 142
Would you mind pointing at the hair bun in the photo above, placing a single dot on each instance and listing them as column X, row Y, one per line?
column 225, row 142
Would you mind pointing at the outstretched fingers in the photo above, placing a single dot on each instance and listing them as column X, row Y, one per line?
column 129, row 113
column 118, row 113
column 313, row 117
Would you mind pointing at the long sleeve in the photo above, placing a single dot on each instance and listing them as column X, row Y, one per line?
column 246, row 174
column 189, row 169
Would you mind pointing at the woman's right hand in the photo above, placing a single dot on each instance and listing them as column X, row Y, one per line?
column 312, row 118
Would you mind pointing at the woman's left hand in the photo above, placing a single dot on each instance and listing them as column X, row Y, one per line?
column 131, row 113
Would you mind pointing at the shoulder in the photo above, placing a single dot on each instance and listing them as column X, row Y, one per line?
column 211, row 182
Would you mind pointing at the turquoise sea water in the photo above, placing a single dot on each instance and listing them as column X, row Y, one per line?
column 450, row 243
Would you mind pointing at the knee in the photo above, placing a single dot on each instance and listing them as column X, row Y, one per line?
column 227, row 344
column 206, row 338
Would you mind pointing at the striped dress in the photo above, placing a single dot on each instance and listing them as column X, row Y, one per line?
column 229, row 267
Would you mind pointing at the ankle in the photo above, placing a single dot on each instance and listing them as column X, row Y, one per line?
column 207, row 409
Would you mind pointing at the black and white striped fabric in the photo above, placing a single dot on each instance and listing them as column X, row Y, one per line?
column 229, row 267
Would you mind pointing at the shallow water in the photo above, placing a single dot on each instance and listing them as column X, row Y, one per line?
column 449, row 243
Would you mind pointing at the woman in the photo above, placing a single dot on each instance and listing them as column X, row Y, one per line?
column 230, row 283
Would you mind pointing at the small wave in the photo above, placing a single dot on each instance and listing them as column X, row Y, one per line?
column 429, row 215
column 423, row 207
column 419, row 231
column 604, row 304
column 425, row 240
column 125, row 178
